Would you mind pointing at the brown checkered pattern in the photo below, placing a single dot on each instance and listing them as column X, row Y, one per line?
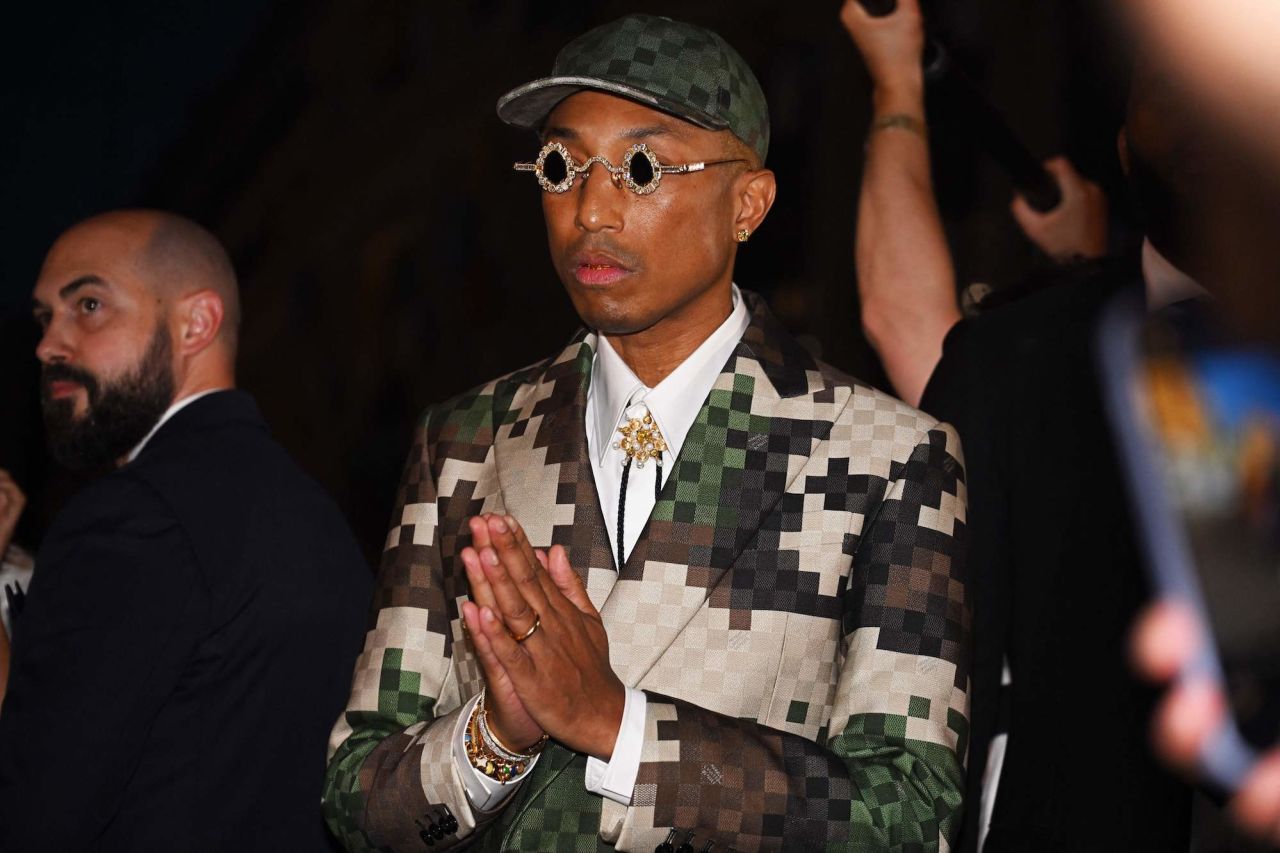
column 795, row 609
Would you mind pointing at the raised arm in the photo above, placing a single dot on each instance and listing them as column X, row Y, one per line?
column 906, row 282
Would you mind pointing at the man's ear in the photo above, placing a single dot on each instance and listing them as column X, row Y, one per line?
column 756, row 191
column 199, row 316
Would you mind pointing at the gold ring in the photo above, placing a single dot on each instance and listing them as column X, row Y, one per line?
column 537, row 621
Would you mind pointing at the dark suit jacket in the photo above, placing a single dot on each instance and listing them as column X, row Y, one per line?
column 1057, row 581
column 186, row 646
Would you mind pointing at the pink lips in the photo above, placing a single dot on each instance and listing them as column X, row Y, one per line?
column 63, row 388
column 598, row 269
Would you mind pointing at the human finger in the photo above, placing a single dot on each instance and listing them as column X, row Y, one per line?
column 507, row 650
column 567, row 580
column 1257, row 805
column 481, row 591
column 1165, row 638
column 479, row 526
column 513, row 608
column 1064, row 173
column 519, row 561
column 473, row 618
column 854, row 14
column 538, row 564
column 1185, row 720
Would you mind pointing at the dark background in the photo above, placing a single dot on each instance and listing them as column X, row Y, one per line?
column 348, row 154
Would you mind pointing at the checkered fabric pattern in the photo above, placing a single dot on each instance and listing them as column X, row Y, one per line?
column 675, row 67
column 795, row 610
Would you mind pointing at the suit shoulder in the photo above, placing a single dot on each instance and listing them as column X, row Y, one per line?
column 870, row 422
column 112, row 499
column 869, row 404
column 475, row 414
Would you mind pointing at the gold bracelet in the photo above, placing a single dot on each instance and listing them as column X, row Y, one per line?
column 488, row 754
column 900, row 121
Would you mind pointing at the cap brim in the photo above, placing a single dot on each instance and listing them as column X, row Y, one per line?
column 529, row 105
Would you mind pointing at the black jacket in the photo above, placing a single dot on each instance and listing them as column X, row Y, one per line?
column 186, row 646
column 1057, row 580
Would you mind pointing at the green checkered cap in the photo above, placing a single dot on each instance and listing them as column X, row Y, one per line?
column 685, row 71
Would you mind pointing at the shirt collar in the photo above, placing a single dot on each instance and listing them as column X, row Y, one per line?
column 177, row 406
column 1165, row 283
column 677, row 399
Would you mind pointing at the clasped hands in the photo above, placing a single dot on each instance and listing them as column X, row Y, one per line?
column 557, row 680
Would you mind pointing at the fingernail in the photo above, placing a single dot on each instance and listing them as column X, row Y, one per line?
column 499, row 525
column 490, row 556
column 511, row 522
column 487, row 615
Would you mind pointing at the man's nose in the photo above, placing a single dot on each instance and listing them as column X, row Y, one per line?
column 601, row 200
column 54, row 345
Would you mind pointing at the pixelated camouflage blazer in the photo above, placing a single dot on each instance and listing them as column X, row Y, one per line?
column 795, row 611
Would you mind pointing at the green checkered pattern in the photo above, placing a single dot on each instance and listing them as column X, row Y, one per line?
column 795, row 611
column 678, row 68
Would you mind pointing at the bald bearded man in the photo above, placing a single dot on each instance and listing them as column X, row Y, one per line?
column 196, row 612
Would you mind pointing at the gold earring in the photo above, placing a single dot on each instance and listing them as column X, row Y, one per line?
column 743, row 235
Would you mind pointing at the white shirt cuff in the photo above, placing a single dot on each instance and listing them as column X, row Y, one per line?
column 484, row 793
column 617, row 778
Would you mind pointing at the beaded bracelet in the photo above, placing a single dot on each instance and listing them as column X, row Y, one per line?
column 488, row 754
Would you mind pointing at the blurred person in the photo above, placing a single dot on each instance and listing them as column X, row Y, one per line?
column 1059, row 756
column 750, row 628
column 1224, row 56
column 12, row 502
column 1166, row 638
column 14, row 564
column 188, row 638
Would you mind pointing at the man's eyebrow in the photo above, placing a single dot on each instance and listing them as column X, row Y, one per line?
column 83, row 281
column 633, row 134
column 637, row 133
column 557, row 132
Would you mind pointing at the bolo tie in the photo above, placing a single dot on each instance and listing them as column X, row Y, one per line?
column 641, row 441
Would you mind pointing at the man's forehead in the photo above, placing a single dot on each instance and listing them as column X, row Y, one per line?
column 93, row 255
column 599, row 112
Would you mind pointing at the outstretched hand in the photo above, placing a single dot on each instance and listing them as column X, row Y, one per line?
column 557, row 679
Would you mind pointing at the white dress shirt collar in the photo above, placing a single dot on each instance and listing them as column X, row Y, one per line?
column 1165, row 283
column 676, row 400
column 177, row 406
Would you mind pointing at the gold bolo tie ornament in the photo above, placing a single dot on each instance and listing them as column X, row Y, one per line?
column 641, row 441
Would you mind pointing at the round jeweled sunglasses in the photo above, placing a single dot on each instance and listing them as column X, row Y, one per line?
column 641, row 170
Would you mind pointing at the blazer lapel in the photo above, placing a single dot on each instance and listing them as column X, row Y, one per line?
column 544, row 468
column 754, row 434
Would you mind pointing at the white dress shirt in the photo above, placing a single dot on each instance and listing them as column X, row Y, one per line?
column 1165, row 283
column 674, row 405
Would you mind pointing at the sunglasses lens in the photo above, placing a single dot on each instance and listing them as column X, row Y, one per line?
column 640, row 170
column 554, row 168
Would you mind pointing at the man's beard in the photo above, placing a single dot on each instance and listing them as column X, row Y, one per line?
column 119, row 414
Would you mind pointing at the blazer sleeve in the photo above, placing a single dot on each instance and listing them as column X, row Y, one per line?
column 108, row 627
column 886, row 772
column 391, row 776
